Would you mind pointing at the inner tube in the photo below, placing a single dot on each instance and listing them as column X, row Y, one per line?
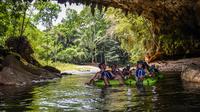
column 148, row 81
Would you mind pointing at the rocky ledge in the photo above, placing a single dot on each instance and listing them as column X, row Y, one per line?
column 18, row 66
column 191, row 73
column 15, row 72
column 176, row 65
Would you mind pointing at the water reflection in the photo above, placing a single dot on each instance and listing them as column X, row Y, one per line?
column 70, row 94
column 140, row 88
column 191, row 85
column 15, row 99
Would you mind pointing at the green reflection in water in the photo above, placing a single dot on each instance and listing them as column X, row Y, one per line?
column 70, row 94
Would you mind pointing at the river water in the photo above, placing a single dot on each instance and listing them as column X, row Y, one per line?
column 71, row 95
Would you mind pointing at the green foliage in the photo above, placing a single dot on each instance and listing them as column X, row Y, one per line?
column 132, row 31
column 86, row 38
column 13, row 18
column 80, row 38
column 47, row 13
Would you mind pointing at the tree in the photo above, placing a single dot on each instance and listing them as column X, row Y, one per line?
column 93, row 28
column 47, row 13
column 133, row 32
column 13, row 17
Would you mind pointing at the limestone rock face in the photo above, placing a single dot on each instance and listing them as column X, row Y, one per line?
column 191, row 73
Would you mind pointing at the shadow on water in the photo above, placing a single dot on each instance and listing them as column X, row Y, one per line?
column 70, row 94
column 15, row 99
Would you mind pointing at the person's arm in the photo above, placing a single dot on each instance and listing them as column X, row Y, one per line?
column 96, row 76
column 130, row 72
column 120, row 73
column 93, row 78
column 146, row 72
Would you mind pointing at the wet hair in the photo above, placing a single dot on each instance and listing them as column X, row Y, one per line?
column 153, row 66
column 140, row 62
column 100, row 65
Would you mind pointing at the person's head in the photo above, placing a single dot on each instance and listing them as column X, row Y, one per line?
column 102, row 66
column 140, row 64
column 128, row 67
column 153, row 66
column 114, row 66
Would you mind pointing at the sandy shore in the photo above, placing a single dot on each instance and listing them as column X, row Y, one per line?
column 83, row 69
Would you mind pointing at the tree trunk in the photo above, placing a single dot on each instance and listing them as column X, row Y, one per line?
column 23, row 23
column 101, row 57
column 92, row 58
column 95, row 57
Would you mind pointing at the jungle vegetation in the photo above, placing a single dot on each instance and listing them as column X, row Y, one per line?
column 82, row 37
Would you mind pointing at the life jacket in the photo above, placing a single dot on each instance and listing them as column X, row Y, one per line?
column 140, row 73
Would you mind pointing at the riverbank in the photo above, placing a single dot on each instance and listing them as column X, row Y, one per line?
column 188, row 68
column 15, row 72
column 168, row 66
column 75, row 69
column 176, row 65
column 82, row 69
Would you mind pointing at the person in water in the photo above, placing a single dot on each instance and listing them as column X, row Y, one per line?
column 140, row 72
column 127, row 71
column 116, row 71
column 153, row 71
column 105, row 75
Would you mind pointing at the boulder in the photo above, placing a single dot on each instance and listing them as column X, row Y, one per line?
column 11, row 76
column 1, row 67
column 3, row 52
column 15, row 72
column 64, row 73
column 191, row 73
column 51, row 69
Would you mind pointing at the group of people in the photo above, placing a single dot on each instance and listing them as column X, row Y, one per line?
column 115, row 73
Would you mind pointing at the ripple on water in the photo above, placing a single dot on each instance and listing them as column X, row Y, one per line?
column 70, row 94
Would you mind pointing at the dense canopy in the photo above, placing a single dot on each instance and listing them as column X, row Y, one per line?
column 167, row 16
column 143, row 28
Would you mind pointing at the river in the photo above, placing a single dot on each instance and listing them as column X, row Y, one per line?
column 71, row 95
